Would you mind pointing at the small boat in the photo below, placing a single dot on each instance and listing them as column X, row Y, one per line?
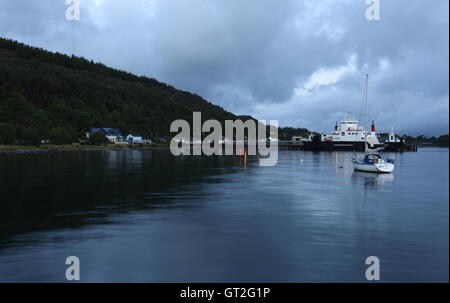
column 373, row 163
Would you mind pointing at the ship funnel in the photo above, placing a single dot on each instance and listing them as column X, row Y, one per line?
column 372, row 128
column 336, row 127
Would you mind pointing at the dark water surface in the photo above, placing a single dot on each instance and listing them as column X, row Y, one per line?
column 150, row 217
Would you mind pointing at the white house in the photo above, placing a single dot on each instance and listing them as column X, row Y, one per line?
column 114, row 135
column 134, row 139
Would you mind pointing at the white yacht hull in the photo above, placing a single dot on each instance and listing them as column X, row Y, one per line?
column 373, row 168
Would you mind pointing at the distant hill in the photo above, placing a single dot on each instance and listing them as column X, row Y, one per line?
column 44, row 93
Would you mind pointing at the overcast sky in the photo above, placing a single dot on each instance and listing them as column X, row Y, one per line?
column 299, row 62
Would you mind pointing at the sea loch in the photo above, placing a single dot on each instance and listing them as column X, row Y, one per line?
column 148, row 216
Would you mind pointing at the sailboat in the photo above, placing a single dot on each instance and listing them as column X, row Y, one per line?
column 372, row 162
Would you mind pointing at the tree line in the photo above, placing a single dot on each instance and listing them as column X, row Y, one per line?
column 45, row 95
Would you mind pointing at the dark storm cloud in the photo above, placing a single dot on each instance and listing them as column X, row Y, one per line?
column 301, row 62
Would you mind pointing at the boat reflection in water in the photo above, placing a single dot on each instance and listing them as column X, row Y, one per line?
column 373, row 181
column 375, row 186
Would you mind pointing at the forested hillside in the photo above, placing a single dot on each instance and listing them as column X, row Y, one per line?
column 422, row 140
column 44, row 94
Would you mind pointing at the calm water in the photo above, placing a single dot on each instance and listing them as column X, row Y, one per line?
column 147, row 216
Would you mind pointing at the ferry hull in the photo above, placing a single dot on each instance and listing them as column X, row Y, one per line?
column 337, row 146
column 395, row 146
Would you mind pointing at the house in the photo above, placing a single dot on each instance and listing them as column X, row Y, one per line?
column 137, row 139
column 134, row 139
column 114, row 135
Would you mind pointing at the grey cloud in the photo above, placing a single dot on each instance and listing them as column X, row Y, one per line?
column 252, row 56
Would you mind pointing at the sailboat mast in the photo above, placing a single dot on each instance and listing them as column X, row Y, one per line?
column 366, row 112
column 367, row 104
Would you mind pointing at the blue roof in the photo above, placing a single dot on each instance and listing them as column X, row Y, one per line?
column 107, row 131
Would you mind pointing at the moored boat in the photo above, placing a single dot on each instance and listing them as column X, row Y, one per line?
column 374, row 163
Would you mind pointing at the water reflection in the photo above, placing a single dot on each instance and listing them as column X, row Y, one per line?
column 146, row 216
column 67, row 190
column 373, row 180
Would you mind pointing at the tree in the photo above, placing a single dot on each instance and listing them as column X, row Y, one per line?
column 7, row 133
column 98, row 138
column 59, row 135
column 31, row 136
column 442, row 141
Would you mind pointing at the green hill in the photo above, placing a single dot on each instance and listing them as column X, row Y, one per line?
column 45, row 94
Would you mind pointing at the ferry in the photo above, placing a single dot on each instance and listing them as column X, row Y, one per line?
column 347, row 136
column 350, row 136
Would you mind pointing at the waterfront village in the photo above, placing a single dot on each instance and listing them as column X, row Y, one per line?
column 115, row 136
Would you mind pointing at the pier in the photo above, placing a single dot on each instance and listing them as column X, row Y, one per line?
column 326, row 146
column 310, row 146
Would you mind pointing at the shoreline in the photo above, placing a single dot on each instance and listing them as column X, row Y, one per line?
column 23, row 149
column 19, row 149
